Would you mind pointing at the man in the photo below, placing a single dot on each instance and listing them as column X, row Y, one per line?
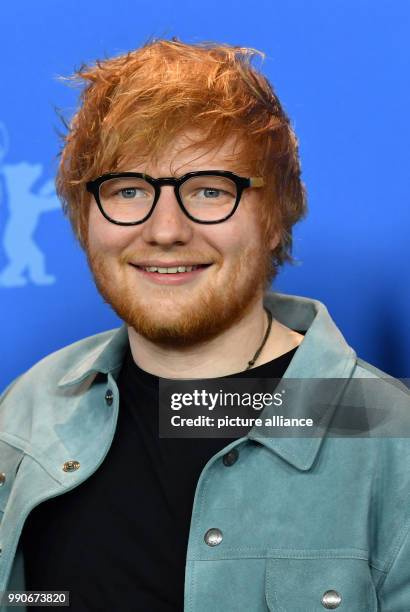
column 181, row 178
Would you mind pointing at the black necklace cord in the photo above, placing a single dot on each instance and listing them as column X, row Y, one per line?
column 258, row 352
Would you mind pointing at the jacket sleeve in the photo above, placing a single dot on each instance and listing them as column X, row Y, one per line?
column 9, row 388
column 16, row 579
column 394, row 594
column 16, row 582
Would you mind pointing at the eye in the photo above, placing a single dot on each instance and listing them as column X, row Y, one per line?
column 211, row 192
column 208, row 190
column 129, row 193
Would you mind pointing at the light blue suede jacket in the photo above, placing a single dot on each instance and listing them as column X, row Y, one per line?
column 299, row 517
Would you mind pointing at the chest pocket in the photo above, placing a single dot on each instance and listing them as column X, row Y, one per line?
column 318, row 584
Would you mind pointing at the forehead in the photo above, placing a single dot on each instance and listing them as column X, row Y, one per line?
column 188, row 152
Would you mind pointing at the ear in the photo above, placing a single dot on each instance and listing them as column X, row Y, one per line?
column 274, row 241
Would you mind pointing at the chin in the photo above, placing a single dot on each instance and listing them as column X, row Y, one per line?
column 178, row 316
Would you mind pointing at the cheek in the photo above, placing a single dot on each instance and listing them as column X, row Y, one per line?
column 106, row 236
column 233, row 237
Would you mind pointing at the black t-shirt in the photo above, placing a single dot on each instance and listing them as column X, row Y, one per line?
column 118, row 541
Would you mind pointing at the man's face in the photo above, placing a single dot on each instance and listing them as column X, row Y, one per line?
column 186, row 308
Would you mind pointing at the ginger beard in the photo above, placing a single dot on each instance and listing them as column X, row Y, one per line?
column 183, row 316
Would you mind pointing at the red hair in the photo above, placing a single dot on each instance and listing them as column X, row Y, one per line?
column 135, row 104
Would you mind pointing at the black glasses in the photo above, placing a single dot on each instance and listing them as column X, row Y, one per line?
column 206, row 196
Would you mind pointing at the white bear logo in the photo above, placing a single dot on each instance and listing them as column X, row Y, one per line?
column 26, row 262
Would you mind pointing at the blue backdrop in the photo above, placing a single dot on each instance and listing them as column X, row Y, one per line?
column 341, row 69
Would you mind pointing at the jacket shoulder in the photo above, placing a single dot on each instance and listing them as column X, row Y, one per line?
column 54, row 366
column 386, row 398
column 386, row 382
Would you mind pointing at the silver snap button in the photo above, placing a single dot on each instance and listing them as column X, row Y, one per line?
column 213, row 537
column 231, row 457
column 331, row 600
column 109, row 397
column 2, row 478
column 71, row 466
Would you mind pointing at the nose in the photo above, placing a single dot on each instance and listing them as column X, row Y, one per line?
column 168, row 224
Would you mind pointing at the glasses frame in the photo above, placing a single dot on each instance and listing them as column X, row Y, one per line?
column 241, row 183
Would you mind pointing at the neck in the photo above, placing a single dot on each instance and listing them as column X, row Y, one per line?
column 226, row 354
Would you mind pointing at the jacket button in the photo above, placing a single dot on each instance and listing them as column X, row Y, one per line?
column 331, row 600
column 71, row 466
column 109, row 397
column 2, row 478
column 231, row 457
column 213, row 537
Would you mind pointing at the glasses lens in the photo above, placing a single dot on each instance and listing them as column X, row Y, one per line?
column 126, row 199
column 208, row 197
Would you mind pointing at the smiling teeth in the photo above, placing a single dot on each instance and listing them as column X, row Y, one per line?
column 170, row 270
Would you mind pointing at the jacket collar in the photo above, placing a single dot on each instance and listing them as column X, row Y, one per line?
column 106, row 357
column 323, row 354
column 325, row 359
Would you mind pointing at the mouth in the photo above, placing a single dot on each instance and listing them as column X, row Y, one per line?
column 171, row 275
column 177, row 269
